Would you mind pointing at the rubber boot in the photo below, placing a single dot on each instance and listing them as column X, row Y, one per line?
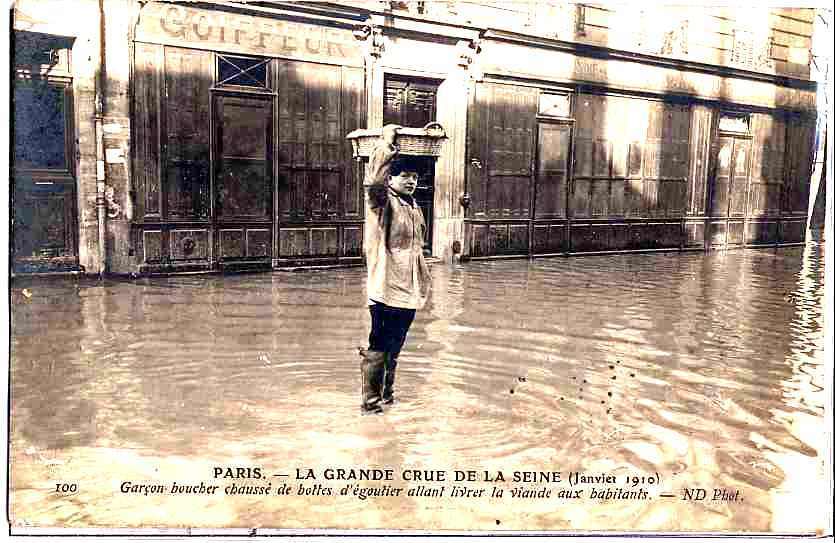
column 388, row 385
column 372, row 368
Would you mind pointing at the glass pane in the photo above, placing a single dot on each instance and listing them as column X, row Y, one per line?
column 551, row 171
column 187, row 186
column 243, row 188
column 248, row 72
column 556, row 105
column 584, row 148
column 39, row 130
column 620, row 156
column 602, row 155
column 553, row 148
column 635, row 159
column 420, row 107
column 245, row 130
column 725, row 158
column 741, row 161
column 734, row 123
column 393, row 105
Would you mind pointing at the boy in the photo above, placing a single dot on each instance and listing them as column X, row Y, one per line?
column 398, row 277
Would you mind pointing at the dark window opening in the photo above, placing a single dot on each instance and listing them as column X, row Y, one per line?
column 33, row 49
column 40, row 121
column 580, row 21
column 409, row 101
column 242, row 71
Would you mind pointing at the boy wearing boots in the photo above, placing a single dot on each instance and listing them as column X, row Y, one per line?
column 398, row 277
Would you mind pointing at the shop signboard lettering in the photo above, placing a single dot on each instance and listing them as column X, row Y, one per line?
column 224, row 31
column 590, row 70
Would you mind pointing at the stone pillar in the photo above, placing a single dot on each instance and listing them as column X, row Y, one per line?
column 116, row 135
column 448, row 229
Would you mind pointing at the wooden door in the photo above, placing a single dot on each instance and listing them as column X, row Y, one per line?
column 510, row 141
column 44, row 223
column 243, row 183
column 552, row 160
column 730, row 179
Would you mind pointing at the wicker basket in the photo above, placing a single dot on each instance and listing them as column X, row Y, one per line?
column 426, row 141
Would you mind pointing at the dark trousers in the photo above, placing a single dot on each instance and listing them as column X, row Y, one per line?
column 389, row 326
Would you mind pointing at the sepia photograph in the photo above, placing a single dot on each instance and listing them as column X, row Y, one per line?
column 442, row 267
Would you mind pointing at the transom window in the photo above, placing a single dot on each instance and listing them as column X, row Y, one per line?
column 555, row 105
column 242, row 71
column 738, row 123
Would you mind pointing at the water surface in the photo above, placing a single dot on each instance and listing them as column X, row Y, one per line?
column 704, row 369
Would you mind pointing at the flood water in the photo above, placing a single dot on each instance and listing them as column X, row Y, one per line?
column 705, row 370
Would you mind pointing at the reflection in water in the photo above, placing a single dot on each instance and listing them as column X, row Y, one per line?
column 705, row 369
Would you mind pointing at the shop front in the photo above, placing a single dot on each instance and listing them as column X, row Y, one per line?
column 210, row 136
column 240, row 159
column 574, row 151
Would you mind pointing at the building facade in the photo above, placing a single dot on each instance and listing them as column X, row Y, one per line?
column 204, row 136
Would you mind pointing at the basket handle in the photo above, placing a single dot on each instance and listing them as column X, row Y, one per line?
column 434, row 124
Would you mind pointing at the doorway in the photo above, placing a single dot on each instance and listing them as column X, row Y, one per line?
column 411, row 101
column 730, row 186
column 424, row 193
column 729, row 190
column 44, row 222
column 242, row 178
column 552, row 168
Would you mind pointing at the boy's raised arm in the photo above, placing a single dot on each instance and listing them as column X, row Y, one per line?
column 379, row 166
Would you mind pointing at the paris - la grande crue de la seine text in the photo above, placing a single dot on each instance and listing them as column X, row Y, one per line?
column 387, row 482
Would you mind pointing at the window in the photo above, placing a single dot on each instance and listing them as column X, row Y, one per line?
column 555, row 105
column 409, row 102
column 40, row 124
column 734, row 122
column 242, row 71
column 35, row 51
column 42, row 102
column 580, row 20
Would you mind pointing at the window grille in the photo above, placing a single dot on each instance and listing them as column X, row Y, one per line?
column 242, row 71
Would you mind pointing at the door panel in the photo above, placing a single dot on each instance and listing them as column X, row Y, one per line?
column 722, row 178
column 243, row 189
column 553, row 149
column 44, row 226
column 185, row 134
column 739, row 184
column 730, row 180
column 243, row 180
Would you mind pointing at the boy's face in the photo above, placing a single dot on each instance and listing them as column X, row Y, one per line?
column 404, row 183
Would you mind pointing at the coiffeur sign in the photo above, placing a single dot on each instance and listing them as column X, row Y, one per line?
column 232, row 32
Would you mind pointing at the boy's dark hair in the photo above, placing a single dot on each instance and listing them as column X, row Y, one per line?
column 401, row 166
